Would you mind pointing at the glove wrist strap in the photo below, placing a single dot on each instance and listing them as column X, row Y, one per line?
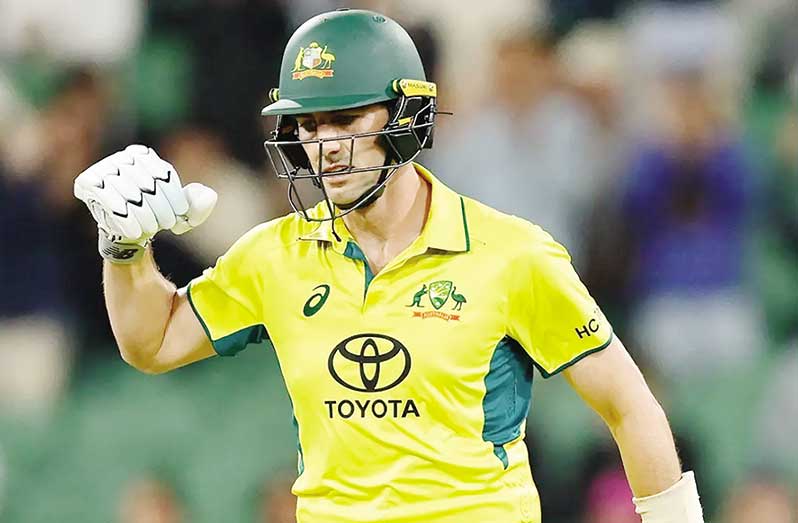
column 122, row 253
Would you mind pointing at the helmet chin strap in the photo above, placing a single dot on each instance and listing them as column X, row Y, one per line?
column 368, row 197
column 371, row 194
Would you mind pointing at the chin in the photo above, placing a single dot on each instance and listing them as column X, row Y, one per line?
column 342, row 202
column 344, row 197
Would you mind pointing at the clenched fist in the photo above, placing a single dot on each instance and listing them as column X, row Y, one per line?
column 133, row 194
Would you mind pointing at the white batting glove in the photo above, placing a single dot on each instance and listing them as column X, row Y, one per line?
column 133, row 194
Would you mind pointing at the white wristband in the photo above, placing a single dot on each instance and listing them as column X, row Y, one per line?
column 677, row 504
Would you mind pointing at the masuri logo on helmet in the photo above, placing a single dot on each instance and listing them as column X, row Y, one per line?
column 308, row 83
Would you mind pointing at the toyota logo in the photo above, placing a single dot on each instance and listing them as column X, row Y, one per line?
column 369, row 362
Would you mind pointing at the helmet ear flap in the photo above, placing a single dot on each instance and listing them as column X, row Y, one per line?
column 410, row 127
column 286, row 131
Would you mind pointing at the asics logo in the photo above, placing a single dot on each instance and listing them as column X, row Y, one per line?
column 316, row 300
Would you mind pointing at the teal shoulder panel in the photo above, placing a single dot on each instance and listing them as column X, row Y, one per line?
column 508, row 395
column 234, row 343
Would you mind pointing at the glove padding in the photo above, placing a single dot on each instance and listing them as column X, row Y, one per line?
column 133, row 194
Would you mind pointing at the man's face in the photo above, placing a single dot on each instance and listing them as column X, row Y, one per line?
column 335, row 153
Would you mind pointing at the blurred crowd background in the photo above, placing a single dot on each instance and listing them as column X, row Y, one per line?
column 657, row 141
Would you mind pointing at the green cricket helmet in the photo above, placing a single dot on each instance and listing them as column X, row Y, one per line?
column 342, row 60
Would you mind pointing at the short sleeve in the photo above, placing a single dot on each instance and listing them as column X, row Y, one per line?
column 551, row 313
column 226, row 300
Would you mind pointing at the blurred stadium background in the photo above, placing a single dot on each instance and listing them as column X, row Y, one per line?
column 657, row 141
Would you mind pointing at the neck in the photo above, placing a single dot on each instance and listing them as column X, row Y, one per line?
column 390, row 224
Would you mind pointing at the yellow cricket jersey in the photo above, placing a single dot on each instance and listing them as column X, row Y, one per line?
column 411, row 387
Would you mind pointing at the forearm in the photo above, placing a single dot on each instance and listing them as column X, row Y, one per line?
column 139, row 301
column 647, row 449
column 662, row 493
column 610, row 382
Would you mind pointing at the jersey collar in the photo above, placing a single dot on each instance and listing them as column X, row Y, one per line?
column 446, row 228
column 447, row 225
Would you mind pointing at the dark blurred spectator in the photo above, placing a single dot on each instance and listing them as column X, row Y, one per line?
column 760, row 499
column 30, row 273
column 50, row 259
column 68, row 137
column 277, row 504
column 151, row 499
column 36, row 268
column 686, row 205
column 234, row 50
column 686, row 197
column 531, row 149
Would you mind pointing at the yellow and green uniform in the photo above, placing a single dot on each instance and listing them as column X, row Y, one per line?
column 411, row 387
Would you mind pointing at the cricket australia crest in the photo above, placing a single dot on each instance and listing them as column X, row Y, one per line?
column 313, row 60
column 438, row 294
